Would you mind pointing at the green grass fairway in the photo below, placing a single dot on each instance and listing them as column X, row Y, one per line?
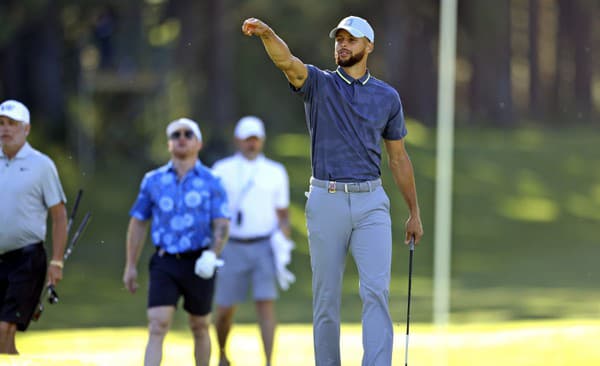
column 533, row 343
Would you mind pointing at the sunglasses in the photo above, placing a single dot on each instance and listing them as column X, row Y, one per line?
column 177, row 134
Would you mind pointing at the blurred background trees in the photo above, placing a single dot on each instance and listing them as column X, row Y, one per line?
column 103, row 78
column 99, row 75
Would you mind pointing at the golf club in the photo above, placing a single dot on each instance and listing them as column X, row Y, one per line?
column 410, row 270
column 74, row 210
column 51, row 294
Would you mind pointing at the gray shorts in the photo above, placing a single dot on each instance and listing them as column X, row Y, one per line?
column 246, row 265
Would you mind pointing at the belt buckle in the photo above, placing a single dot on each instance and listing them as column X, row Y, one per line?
column 331, row 187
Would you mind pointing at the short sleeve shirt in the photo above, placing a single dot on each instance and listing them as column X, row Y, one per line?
column 255, row 189
column 29, row 186
column 346, row 119
column 182, row 211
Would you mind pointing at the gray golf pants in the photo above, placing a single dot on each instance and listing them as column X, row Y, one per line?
column 359, row 222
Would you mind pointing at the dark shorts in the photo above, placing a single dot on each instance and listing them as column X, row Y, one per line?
column 172, row 276
column 22, row 276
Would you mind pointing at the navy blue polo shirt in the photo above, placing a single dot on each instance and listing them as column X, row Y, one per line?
column 346, row 119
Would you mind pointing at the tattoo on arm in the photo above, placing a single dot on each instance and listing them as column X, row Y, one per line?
column 220, row 234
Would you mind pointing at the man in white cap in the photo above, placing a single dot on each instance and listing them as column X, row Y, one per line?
column 348, row 113
column 30, row 189
column 188, row 208
column 258, row 191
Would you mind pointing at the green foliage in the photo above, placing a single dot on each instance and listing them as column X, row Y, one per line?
column 525, row 216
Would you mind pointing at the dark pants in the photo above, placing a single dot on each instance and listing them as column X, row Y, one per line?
column 22, row 276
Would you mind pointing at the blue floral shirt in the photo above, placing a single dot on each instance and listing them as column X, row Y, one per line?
column 182, row 211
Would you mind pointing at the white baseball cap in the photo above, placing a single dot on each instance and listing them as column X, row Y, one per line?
column 249, row 126
column 15, row 110
column 184, row 123
column 356, row 26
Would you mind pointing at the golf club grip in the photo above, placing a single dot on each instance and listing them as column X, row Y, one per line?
column 52, row 295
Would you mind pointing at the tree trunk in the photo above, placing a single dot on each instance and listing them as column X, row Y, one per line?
column 582, row 41
column 205, row 56
column 534, row 66
column 32, row 69
column 220, row 78
column 561, row 84
column 489, row 32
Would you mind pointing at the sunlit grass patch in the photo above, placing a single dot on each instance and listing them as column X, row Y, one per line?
column 527, row 343
column 529, row 209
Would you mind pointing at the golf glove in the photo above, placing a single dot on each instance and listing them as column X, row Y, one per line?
column 282, row 254
column 285, row 278
column 207, row 264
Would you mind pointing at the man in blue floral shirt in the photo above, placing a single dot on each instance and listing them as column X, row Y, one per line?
column 190, row 222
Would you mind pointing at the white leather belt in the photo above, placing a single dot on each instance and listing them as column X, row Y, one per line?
column 347, row 187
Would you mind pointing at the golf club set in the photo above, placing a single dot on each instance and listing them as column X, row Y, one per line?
column 51, row 294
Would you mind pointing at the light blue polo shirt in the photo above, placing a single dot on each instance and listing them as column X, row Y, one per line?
column 346, row 119
column 182, row 211
column 29, row 186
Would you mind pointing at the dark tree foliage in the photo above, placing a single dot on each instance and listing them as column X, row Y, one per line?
column 120, row 69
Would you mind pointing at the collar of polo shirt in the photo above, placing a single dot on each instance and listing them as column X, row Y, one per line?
column 349, row 79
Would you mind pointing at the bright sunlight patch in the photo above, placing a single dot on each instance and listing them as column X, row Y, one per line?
column 529, row 209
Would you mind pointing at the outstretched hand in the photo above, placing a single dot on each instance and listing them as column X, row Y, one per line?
column 254, row 27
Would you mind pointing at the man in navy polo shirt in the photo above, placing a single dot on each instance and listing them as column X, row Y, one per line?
column 348, row 112
column 188, row 208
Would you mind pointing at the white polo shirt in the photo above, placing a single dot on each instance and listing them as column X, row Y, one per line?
column 256, row 189
column 29, row 186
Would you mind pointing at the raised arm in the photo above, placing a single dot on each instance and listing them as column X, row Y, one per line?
column 402, row 171
column 294, row 69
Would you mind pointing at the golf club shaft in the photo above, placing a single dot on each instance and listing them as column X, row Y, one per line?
column 76, row 235
column 51, row 294
column 74, row 210
column 410, row 270
column 51, row 291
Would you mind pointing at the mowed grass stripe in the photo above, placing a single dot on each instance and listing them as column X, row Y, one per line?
column 533, row 343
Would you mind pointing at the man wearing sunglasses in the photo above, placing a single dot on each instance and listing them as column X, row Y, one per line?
column 190, row 222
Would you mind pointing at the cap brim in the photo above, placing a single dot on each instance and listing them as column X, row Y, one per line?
column 14, row 117
column 176, row 125
column 243, row 136
column 353, row 31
